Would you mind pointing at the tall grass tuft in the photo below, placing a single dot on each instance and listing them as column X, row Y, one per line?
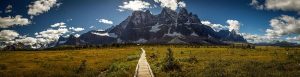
column 82, row 67
column 170, row 63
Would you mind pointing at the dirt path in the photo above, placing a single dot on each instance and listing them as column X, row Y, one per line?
column 143, row 68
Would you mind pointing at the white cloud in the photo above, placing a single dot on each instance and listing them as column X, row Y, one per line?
column 61, row 24
column 283, row 25
column 68, row 20
column 76, row 29
column 105, row 21
column 27, row 41
column 136, row 5
column 8, row 9
column 181, row 4
column 7, row 35
column 50, row 35
column 293, row 39
column 284, row 5
column 254, row 38
column 41, row 39
column 40, row 6
column 233, row 25
column 7, row 22
column 216, row 27
column 172, row 4
column 256, row 4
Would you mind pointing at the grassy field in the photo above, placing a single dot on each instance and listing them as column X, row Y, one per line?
column 105, row 62
column 226, row 62
column 187, row 61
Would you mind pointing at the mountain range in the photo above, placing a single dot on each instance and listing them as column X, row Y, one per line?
column 168, row 27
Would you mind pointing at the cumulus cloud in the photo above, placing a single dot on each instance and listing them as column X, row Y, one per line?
column 27, row 41
column 172, row 4
column 256, row 4
column 254, row 38
column 181, row 4
column 284, row 5
column 293, row 39
column 40, row 6
column 7, row 35
column 50, row 35
column 61, row 24
column 233, row 25
column 41, row 39
column 216, row 27
column 76, row 29
column 8, row 9
column 283, row 25
column 105, row 21
column 136, row 5
column 7, row 22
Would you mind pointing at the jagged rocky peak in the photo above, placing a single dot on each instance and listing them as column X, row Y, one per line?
column 148, row 12
column 72, row 37
column 141, row 13
column 183, row 11
column 234, row 32
column 185, row 17
column 168, row 14
column 72, row 40
column 61, row 40
column 232, row 36
column 168, row 11
column 169, row 26
column 141, row 17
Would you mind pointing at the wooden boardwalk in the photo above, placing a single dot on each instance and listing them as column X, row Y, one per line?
column 143, row 68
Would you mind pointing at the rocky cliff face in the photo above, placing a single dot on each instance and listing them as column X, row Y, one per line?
column 99, row 37
column 167, row 27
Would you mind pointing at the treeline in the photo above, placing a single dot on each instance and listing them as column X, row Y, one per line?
column 78, row 47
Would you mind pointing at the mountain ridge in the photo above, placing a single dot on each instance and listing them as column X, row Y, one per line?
column 168, row 27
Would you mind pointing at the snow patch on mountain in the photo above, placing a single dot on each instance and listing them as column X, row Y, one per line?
column 174, row 34
column 194, row 34
column 141, row 40
column 113, row 35
column 155, row 28
column 100, row 34
column 62, row 42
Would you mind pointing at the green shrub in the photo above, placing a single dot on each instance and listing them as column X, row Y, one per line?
column 170, row 63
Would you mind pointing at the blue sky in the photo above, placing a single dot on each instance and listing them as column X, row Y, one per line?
column 86, row 13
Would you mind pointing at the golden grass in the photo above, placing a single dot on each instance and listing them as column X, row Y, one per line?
column 228, row 62
column 103, row 62
column 212, row 61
